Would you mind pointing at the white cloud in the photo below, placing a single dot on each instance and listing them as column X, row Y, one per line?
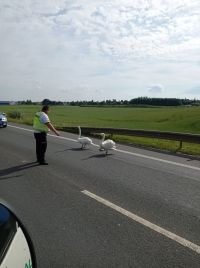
column 155, row 90
column 147, row 28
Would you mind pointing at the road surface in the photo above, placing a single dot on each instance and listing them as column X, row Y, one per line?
column 133, row 208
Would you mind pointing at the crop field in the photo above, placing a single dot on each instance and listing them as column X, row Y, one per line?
column 174, row 119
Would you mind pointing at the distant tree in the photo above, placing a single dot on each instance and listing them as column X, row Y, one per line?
column 46, row 102
column 156, row 101
column 25, row 102
column 136, row 101
column 28, row 102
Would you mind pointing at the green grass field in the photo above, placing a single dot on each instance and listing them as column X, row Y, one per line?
column 174, row 119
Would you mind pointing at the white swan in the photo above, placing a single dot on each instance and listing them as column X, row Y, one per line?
column 83, row 140
column 106, row 144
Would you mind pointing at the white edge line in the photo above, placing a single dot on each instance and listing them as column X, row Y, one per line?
column 160, row 160
column 184, row 242
column 30, row 130
column 21, row 128
column 122, row 151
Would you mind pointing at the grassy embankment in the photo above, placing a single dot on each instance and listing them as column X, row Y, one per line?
column 174, row 119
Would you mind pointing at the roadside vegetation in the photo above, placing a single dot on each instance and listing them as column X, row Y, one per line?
column 184, row 119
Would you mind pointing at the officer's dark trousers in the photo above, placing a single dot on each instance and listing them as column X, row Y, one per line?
column 41, row 146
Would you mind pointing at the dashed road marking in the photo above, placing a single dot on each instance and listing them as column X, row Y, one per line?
column 184, row 242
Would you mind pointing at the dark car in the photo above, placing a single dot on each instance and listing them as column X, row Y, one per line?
column 3, row 120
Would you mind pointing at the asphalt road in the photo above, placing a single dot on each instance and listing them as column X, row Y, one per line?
column 88, row 210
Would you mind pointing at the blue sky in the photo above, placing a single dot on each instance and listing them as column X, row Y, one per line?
column 82, row 50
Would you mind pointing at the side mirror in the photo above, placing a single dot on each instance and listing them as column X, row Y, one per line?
column 16, row 248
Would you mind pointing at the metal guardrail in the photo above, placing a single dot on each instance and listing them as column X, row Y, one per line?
column 176, row 136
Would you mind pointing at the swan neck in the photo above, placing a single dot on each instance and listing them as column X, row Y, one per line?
column 103, row 137
column 79, row 131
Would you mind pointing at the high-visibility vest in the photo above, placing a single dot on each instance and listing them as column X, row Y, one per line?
column 38, row 125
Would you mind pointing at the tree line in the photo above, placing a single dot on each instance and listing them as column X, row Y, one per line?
column 140, row 101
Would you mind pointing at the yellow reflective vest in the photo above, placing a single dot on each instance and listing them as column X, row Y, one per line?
column 38, row 125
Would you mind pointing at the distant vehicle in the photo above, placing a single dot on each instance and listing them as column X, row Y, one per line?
column 3, row 120
column 16, row 248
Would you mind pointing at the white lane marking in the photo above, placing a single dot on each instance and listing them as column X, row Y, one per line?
column 122, row 151
column 184, row 242
column 159, row 159
column 30, row 130
column 21, row 128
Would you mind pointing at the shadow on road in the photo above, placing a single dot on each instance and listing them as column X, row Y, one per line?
column 98, row 156
column 7, row 171
column 78, row 149
column 73, row 149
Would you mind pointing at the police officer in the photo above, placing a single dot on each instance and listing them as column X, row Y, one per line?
column 41, row 126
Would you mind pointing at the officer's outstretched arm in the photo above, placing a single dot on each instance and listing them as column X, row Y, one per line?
column 51, row 127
